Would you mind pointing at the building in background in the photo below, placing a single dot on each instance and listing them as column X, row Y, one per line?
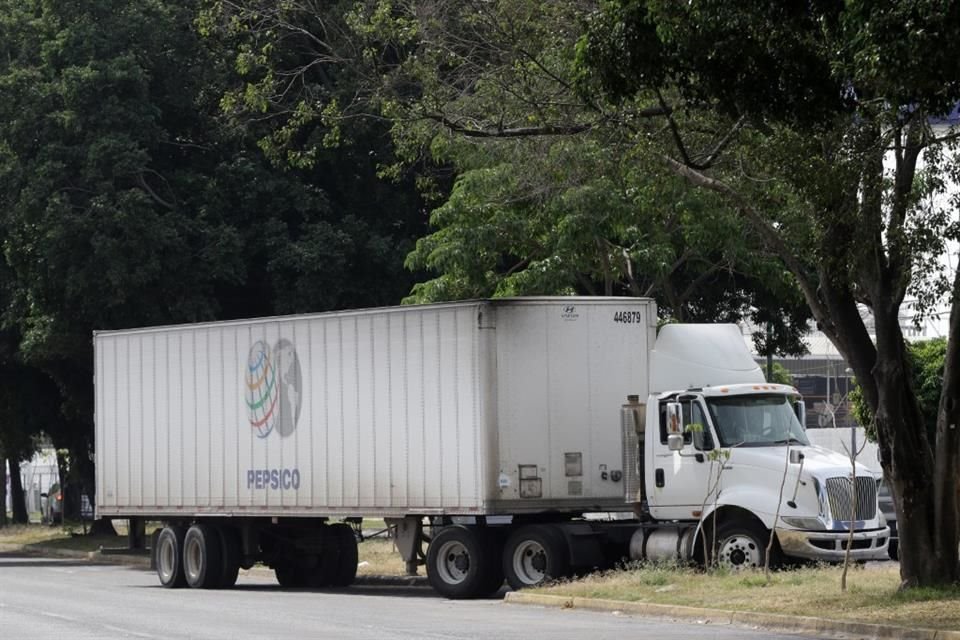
column 37, row 474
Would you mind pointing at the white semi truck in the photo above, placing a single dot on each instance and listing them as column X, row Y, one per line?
column 487, row 434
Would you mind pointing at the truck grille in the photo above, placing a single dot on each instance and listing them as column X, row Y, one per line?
column 838, row 492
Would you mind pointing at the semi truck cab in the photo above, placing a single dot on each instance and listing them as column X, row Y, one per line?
column 729, row 462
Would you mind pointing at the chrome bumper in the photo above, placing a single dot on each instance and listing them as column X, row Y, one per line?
column 830, row 546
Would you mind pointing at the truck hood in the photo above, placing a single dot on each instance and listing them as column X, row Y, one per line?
column 819, row 462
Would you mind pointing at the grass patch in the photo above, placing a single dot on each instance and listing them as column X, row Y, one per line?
column 872, row 593
column 68, row 537
column 379, row 557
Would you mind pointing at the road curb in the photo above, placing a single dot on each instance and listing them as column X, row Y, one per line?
column 767, row 621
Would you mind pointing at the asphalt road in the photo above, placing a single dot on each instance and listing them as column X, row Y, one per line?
column 44, row 599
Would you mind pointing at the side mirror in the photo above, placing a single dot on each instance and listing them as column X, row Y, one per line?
column 800, row 408
column 675, row 442
column 674, row 418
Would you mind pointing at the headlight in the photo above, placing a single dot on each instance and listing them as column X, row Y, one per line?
column 809, row 524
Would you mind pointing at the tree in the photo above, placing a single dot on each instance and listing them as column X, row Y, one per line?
column 548, row 197
column 780, row 375
column 126, row 199
column 816, row 96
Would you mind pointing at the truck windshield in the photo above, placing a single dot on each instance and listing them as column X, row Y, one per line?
column 756, row 421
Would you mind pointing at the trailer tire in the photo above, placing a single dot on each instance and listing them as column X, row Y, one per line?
column 230, row 550
column 743, row 545
column 202, row 557
column 290, row 576
column 169, row 556
column 494, row 568
column 345, row 571
column 458, row 561
column 534, row 555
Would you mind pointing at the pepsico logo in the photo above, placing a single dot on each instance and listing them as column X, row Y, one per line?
column 273, row 388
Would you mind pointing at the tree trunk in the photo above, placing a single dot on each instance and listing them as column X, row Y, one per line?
column 3, row 490
column 947, row 452
column 18, row 503
column 907, row 459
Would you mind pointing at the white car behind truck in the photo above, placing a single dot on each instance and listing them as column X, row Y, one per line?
column 482, row 431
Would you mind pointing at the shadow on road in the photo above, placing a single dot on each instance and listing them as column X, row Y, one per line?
column 385, row 591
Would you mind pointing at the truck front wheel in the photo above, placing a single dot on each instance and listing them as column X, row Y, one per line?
column 169, row 555
column 742, row 545
column 458, row 562
column 535, row 554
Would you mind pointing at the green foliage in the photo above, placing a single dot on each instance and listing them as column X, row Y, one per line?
column 780, row 375
column 127, row 199
column 927, row 358
column 581, row 215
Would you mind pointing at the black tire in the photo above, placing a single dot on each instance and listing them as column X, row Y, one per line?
column 743, row 545
column 458, row 563
column 893, row 550
column 535, row 554
column 203, row 557
column 290, row 576
column 493, row 538
column 230, row 554
column 169, row 556
column 345, row 573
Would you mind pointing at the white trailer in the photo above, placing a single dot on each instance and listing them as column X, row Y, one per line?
column 489, row 430
column 265, row 431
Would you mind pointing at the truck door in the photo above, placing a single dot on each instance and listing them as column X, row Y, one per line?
column 680, row 479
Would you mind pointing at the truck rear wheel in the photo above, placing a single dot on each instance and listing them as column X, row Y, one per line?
column 169, row 557
column 534, row 555
column 202, row 557
column 493, row 538
column 458, row 561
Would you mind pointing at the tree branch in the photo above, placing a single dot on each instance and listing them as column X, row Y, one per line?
column 767, row 232
column 516, row 132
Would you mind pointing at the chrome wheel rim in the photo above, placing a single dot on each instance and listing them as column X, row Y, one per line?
column 453, row 563
column 740, row 551
column 530, row 562
column 192, row 559
column 166, row 559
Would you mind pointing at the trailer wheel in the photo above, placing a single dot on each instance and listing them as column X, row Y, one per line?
column 343, row 573
column 742, row 545
column 290, row 576
column 457, row 563
column 169, row 556
column 493, row 539
column 534, row 555
column 202, row 557
column 230, row 552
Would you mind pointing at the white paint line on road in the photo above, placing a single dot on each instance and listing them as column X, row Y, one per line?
column 50, row 614
column 128, row 632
